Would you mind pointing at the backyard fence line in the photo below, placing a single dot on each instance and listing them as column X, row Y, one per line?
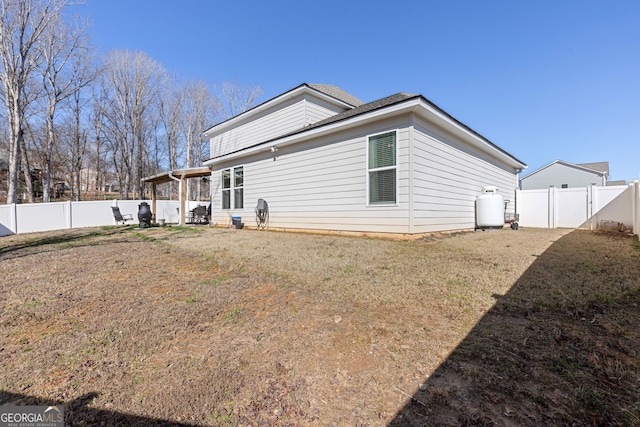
column 34, row 217
column 588, row 208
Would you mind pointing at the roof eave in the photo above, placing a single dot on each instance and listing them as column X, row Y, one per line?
column 413, row 104
column 470, row 135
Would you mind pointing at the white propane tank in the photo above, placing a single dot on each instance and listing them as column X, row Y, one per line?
column 490, row 209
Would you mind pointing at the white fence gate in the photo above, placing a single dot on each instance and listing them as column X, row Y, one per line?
column 585, row 207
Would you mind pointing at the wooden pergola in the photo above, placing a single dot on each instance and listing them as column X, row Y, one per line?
column 178, row 175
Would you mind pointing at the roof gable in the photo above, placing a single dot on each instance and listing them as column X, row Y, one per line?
column 329, row 93
column 582, row 166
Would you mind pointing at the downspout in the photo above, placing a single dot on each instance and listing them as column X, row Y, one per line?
column 516, row 212
column 180, row 216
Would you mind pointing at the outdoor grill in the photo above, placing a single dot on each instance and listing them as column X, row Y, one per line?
column 144, row 215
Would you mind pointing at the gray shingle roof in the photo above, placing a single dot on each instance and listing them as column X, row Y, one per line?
column 337, row 93
column 387, row 102
column 364, row 108
column 371, row 106
column 597, row 166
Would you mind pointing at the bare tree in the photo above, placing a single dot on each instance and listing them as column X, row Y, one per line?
column 97, row 119
column 45, row 57
column 234, row 99
column 22, row 23
column 157, row 147
column 132, row 81
column 171, row 116
column 76, row 144
column 200, row 109
column 67, row 66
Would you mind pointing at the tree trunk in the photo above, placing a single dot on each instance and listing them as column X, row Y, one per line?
column 48, row 152
column 26, row 170
column 15, row 143
column 96, row 184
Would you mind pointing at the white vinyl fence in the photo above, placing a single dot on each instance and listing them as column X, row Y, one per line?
column 32, row 217
column 586, row 207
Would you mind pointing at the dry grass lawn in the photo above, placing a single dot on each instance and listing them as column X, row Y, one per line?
column 203, row 326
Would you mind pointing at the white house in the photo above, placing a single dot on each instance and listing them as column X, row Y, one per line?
column 324, row 160
column 561, row 174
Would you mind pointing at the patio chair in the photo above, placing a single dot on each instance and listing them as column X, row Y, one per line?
column 199, row 215
column 119, row 217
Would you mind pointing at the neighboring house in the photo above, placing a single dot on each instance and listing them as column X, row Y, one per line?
column 561, row 174
column 324, row 160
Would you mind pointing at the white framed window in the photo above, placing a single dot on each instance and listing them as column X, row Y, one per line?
column 232, row 180
column 238, row 187
column 382, row 169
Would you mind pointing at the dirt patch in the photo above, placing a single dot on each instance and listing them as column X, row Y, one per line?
column 236, row 327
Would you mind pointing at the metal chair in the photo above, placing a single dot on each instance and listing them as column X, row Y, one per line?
column 199, row 215
column 119, row 217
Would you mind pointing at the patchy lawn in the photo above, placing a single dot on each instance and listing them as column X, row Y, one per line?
column 201, row 326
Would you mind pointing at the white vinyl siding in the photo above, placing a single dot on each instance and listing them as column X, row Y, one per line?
column 321, row 184
column 316, row 110
column 282, row 119
column 448, row 177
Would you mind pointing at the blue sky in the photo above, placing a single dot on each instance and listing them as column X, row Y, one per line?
column 544, row 80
